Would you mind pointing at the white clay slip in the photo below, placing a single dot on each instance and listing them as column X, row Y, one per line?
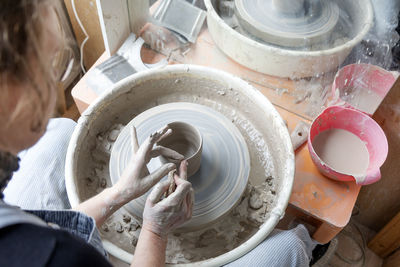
column 343, row 151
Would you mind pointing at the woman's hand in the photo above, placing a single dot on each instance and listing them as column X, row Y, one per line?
column 135, row 179
column 161, row 217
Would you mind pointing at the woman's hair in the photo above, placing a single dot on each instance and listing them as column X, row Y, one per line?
column 22, row 53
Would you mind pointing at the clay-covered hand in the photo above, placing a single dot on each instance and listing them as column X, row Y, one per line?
column 161, row 217
column 135, row 179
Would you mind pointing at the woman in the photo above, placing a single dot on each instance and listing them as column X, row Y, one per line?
column 29, row 40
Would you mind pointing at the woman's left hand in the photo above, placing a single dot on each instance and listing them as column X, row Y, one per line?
column 135, row 179
column 162, row 216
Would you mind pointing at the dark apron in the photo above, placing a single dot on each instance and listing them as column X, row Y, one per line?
column 71, row 221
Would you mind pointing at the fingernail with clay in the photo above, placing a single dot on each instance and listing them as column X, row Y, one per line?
column 171, row 166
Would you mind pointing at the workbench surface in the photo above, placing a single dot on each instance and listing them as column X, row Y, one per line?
column 324, row 203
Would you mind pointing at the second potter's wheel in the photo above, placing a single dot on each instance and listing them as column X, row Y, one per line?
column 288, row 23
column 225, row 164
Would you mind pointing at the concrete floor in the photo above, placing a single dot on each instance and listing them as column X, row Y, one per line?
column 352, row 250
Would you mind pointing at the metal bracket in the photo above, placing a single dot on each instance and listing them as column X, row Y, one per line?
column 180, row 17
column 124, row 63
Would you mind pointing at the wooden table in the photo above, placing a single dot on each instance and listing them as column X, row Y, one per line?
column 321, row 202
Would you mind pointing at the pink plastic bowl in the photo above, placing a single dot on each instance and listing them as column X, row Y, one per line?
column 362, row 77
column 358, row 123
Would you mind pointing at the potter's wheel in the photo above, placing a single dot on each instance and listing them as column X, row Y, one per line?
column 258, row 122
column 288, row 23
column 225, row 163
column 289, row 38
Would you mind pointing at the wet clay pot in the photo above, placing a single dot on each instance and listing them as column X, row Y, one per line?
column 187, row 141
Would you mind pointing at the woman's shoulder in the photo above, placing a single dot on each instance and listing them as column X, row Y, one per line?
column 32, row 245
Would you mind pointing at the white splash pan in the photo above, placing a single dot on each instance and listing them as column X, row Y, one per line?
column 284, row 62
column 136, row 93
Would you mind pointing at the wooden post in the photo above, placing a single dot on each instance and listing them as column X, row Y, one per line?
column 388, row 239
column 393, row 260
column 61, row 105
column 87, row 12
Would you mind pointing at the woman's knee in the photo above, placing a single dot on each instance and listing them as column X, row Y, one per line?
column 282, row 248
column 39, row 183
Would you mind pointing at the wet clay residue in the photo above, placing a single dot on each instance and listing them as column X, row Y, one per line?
column 343, row 151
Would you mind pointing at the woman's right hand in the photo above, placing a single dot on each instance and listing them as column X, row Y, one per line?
column 161, row 217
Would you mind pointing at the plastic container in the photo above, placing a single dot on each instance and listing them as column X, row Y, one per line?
column 360, row 124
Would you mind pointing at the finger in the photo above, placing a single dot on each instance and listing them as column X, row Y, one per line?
column 161, row 133
column 177, row 197
column 134, row 139
column 190, row 203
column 179, row 180
column 183, row 170
column 158, row 191
column 166, row 134
column 171, row 183
column 152, row 139
column 156, row 176
column 167, row 153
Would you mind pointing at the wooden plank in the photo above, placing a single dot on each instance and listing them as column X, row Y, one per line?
column 72, row 113
column 61, row 105
column 114, row 22
column 393, row 260
column 378, row 203
column 388, row 239
column 87, row 11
